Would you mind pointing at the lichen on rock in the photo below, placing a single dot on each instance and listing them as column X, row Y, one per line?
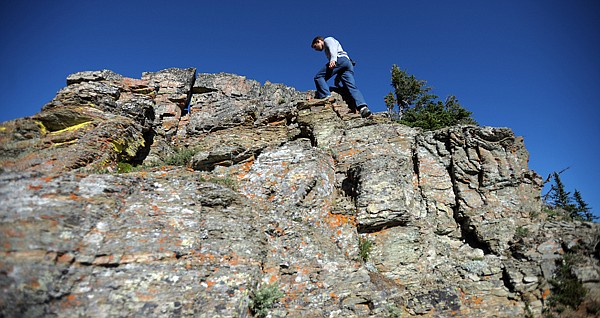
column 272, row 190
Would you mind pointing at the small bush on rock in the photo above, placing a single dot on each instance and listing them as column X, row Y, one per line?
column 567, row 289
column 364, row 248
column 181, row 157
column 263, row 299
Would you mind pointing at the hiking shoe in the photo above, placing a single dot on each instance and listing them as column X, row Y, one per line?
column 365, row 112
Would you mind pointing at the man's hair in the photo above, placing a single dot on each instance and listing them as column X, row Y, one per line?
column 317, row 38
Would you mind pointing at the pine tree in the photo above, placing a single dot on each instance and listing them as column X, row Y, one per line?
column 583, row 210
column 559, row 197
column 574, row 206
column 417, row 107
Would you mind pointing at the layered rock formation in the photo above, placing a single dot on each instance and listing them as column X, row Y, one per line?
column 345, row 216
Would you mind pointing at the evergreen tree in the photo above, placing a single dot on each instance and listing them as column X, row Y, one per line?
column 583, row 210
column 573, row 206
column 559, row 197
column 417, row 107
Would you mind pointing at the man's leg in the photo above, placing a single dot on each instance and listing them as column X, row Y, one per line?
column 348, row 80
column 341, row 89
column 321, row 79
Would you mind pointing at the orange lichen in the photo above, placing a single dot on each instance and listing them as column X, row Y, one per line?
column 273, row 279
column 47, row 179
column 144, row 296
column 476, row 300
column 209, row 283
column 71, row 300
column 277, row 123
column 65, row 258
column 11, row 232
column 348, row 153
column 35, row 283
column 546, row 293
column 337, row 220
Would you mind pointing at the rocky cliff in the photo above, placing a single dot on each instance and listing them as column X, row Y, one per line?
column 240, row 191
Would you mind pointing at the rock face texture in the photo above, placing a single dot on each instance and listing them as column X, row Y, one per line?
column 345, row 216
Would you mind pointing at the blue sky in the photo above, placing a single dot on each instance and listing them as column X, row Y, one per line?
column 533, row 66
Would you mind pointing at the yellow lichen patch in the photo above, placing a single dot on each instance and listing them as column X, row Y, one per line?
column 71, row 128
column 126, row 146
column 2, row 128
column 118, row 145
column 43, row 129
column 58, row 144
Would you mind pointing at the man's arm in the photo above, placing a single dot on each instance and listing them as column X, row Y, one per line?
column 331, row 45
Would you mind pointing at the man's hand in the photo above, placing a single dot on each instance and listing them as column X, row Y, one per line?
column 331, row 64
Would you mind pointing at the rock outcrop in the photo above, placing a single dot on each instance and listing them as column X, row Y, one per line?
column 347, row 217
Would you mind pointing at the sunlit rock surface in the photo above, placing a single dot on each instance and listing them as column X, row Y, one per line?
column 275, row 189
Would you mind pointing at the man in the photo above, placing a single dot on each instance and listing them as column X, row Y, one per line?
column 339, row 64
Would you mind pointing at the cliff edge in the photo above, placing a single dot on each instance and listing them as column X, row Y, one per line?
column 240, row 186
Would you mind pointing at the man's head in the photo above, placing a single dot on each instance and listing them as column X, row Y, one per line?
column 318, row 43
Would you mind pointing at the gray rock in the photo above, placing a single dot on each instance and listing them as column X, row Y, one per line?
column 347, row 217
column 93, row 76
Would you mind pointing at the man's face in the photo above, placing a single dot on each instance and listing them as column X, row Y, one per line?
column 318, row 46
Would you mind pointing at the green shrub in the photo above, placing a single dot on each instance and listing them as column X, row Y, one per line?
column 567, row 289
column 393, row 311
column 124, row 167
column 521, row 232
column 364, row 248
column 263, row 299
column 181, row 157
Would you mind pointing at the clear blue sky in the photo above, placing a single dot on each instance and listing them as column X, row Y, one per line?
column 533, row 66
